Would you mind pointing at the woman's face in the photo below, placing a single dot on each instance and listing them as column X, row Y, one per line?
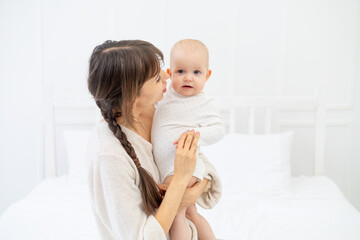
column 153, row 90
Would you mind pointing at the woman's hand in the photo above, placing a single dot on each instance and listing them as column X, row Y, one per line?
column 185, row 156
column 191, row 194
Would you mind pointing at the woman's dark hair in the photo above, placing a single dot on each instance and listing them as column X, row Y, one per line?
column 117, row 71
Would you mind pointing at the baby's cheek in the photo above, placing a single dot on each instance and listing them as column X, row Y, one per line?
column 176, row 85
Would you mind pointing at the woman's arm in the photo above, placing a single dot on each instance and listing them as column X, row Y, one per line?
column 117, row 201
column 191, row 194
column 184, row 166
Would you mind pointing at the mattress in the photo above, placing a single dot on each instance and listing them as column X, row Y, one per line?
column 58, row 208
column 313, row 208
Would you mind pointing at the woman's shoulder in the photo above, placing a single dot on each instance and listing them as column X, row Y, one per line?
column 106, row 143
column 108, row 153
column 108, row 146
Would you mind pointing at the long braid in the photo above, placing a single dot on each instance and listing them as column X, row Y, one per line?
column 117, row 72
column 151, row 195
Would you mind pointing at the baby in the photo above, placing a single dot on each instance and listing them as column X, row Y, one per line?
column 186, row 106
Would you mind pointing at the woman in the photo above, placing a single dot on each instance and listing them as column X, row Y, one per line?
column 126, row 81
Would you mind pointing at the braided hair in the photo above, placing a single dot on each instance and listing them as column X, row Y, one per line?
column 117, row 71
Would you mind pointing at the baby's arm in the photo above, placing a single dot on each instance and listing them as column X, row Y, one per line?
column 210, row 125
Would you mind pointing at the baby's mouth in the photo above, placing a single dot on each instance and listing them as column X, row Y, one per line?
column 187, row 86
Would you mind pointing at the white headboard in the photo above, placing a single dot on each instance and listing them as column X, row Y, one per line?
column 269, row 109
column 61, row 113
column 241, row 114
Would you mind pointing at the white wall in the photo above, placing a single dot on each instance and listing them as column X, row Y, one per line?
column 323, row 46
column 20, row 97
column 260, row 47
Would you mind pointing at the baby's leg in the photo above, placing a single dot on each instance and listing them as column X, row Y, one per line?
column 202, row 226
column 179, row 229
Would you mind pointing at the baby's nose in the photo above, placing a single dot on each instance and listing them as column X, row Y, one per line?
column 187, row 78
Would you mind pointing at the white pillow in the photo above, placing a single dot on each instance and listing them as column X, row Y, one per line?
column 76, row 142
column 257, row 163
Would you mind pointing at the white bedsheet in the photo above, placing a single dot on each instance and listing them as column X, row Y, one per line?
column 58, row 208
column 314, row 208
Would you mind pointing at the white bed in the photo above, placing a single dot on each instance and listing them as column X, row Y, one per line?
column 266, row 204
column 58, row 208
column 314, row 209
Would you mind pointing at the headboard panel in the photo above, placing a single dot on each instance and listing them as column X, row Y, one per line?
column 65, row 112
column 81, row 112
column 273, row 106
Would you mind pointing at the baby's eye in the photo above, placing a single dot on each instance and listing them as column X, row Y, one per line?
column 180, row 71
column 197, row 72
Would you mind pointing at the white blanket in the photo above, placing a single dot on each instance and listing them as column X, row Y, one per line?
column 313, row 209
column 56, row 209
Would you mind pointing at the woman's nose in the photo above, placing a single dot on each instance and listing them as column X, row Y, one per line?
column 164, row 76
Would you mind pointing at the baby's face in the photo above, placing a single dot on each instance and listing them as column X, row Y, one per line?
column 189, row 72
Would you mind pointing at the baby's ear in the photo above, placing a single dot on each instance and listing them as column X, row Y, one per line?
column 168, row 71
column 208, row 74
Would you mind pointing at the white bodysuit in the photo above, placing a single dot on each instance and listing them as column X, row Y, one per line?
column 176, row 114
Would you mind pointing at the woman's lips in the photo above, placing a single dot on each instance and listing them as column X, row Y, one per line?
column 164, row 91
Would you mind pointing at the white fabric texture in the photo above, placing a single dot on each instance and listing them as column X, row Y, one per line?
column 313, row 209
column 176, row 114
column 114, row 186
column 58, row 208
column 259, row 163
